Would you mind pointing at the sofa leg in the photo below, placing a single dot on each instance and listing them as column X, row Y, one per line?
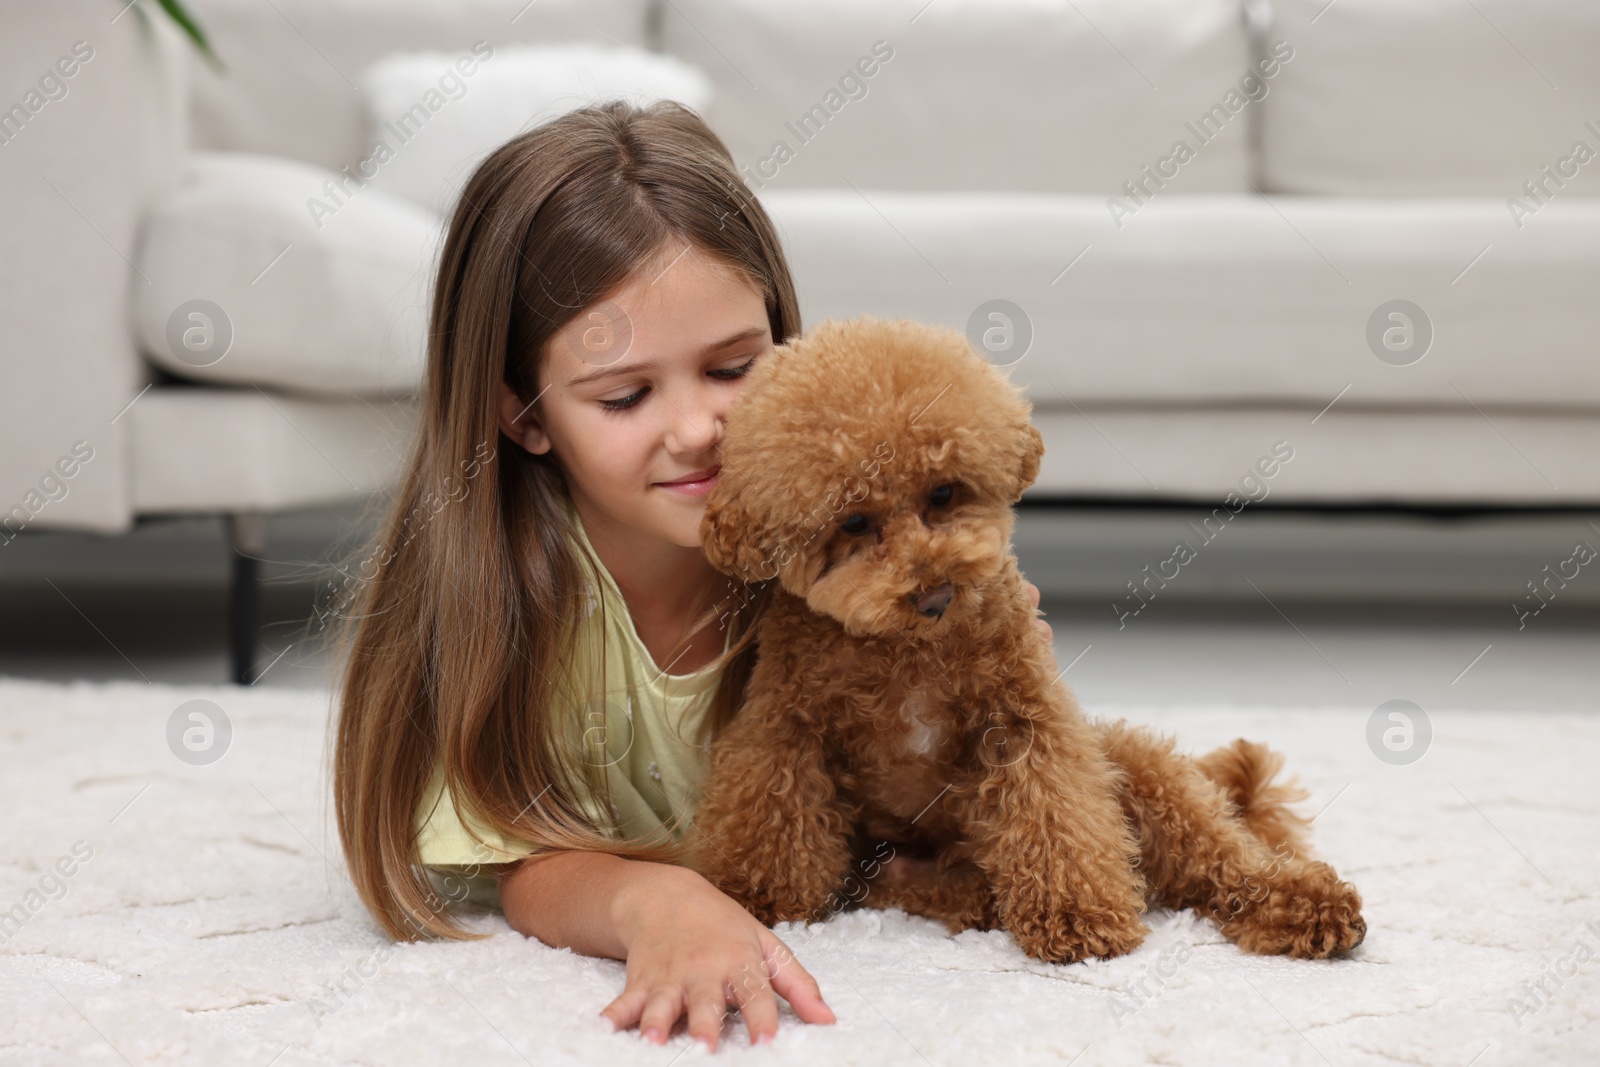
column 247, row 537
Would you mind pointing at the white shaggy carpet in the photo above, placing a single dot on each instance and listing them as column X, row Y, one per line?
column 212, row 924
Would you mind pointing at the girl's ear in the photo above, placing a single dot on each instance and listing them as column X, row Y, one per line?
column 519, row 423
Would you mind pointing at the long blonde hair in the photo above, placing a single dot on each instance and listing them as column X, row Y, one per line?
column 455, row 641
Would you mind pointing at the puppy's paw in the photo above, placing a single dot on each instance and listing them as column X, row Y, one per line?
column 1069, row 938
column 960, row 897
column 1306, row 912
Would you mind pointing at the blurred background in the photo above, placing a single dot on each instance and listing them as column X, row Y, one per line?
column 1303, row 294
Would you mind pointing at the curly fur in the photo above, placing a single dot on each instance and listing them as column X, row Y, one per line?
column 869, row 719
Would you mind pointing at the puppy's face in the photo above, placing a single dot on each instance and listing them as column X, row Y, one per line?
column 870, row 468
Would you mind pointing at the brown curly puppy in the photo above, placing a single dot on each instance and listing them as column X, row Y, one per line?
column 903, row 693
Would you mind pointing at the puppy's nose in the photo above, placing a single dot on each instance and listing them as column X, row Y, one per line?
column 932, row 602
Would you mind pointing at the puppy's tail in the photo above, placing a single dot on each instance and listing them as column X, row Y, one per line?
column 1245, row 770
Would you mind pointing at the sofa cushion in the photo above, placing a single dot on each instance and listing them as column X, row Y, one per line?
column 1434, row 97
column 305, row 287
column 1042, row 95
column 1354, row 454
column 195, row 449
column 293, row 65
column 1199, row 299
column 433, row 116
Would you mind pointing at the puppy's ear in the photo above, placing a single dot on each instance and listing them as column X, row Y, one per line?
column 1032, row 453
column 733, row 540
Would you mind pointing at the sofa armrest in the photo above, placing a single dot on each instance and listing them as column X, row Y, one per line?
column 93, row 124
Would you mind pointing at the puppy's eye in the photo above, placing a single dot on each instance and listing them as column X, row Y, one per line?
column 942, row 495
column 855, row 525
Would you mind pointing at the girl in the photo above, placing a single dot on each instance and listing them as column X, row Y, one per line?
column 538, row 659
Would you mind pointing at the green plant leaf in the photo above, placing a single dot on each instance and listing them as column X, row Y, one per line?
column 191, row 27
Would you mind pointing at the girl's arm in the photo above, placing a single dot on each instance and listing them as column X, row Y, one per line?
column 690, row 949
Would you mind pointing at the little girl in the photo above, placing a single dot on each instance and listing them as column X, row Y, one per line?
column 541, row 654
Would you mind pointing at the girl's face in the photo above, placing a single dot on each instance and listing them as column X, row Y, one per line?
column 634, row 392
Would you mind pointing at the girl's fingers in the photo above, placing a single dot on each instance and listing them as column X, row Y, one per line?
column 661, row 1012
column 624, row 1011
column 1033, row 598
column 796, row 985
column 707, row 1006
column 760, row 1010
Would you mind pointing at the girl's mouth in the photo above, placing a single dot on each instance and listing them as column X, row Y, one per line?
column 697, row 484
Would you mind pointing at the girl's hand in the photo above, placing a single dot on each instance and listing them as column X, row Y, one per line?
column 693, row 949
column 1033, row 597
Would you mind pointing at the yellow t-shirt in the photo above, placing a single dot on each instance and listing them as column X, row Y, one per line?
column 647, row 717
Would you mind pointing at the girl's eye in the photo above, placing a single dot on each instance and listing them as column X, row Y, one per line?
column 730, row 373
column 727, row 374
column 623, row 404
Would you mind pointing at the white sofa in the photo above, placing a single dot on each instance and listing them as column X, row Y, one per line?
column 1187, row 309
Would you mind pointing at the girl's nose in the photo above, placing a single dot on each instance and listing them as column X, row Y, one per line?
column 694, row 430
